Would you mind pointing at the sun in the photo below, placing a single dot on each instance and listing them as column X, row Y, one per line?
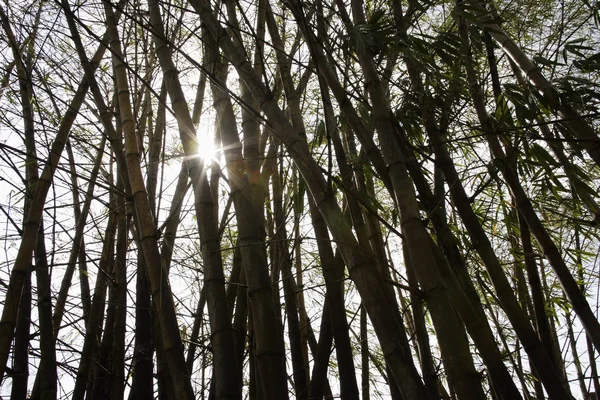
column 207, row 150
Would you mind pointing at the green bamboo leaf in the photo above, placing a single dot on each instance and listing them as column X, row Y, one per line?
column 543, row 156
column 544, row 61
column 581, row 186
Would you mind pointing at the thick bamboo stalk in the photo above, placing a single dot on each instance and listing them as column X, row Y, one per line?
column 322, row 352
column 142, row 386
column 269, row 335
column 20, row 368
column 430, row 374
column 33, row 222
column 117, row 373
column 365, row 370
column 247, row 192
column 227, row 385
column 158, row 276
column 465, row 296
column 24, row 66
column 333, row 270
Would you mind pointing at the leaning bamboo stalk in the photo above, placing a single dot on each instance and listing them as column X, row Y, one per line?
column 24, row 66
column 117, row 373
column 313, row 344
column 578, row 300
column 318, row 380
column 333, row 273
column 242, row 317
column 196, row 328
column 590, row 348
column 269, row 340
column 306, row 334
column 539, row 358
column 143, row 353
column 235, row 277
column 592, row 363
column 172, row 222
column 46, row 378
column 365, row 377
column 480, row 331
column 105, row 375
column 156, row 137
column 45, row 385
column 224, row 353
column 372, row 232
column 157, row 274
column 507, row 349
column 106, row 118
column 484, row 338
column 537, row 294
column 34, row 217
column 352, row 180
column 526, row 260
column 250, row 125
column 21, row 309
column 455, row 352
column 346, row 107
column 572, row 119
column 333, row 270
column 155, row 134
column 575, row 355
column 558, row 150
column 483, row 246
column 430, row 375
column 20, row 369
column 89, row 67
column 247, row 193
column 169, row 227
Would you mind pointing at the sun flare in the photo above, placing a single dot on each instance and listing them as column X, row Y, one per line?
column 207, row 150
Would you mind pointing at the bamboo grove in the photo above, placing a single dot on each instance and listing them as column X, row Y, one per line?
column 259, row 199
